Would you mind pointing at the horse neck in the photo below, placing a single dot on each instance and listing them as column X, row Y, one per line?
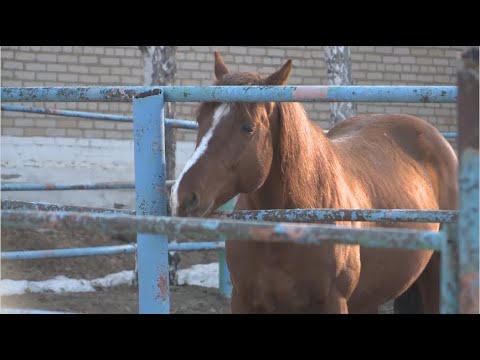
column 305, row 167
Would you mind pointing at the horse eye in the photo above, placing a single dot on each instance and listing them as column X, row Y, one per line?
column 248, row 128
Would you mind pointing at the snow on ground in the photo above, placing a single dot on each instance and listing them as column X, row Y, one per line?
column 201, row 275
column 62, row 284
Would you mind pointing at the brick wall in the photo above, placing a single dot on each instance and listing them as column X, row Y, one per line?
column 70, row 66
column 87, row 65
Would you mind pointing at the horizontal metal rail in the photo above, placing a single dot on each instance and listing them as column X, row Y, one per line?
column 18, row 186
column 43, row 206
column 115, row 185
column 102, row 250
column 71, row 252
column 181, row 124
column 315, row 215
column 320, row 93
column 288, row 215
column 67, row 113
column 175, row 123
column 196, row 229
column 450, row 135
column 32, row 311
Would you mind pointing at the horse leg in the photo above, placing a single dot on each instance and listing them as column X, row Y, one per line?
column 410, row 302
column 237, row 305
column 429, row 285
column 424, row 294
column 335, row 303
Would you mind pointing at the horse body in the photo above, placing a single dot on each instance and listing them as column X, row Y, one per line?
column 279, row 159
column 381, row 162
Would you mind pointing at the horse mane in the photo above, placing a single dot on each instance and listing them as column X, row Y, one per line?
column 307, row 160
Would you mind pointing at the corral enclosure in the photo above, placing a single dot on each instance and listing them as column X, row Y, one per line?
column 118, row 165
column 39, row 148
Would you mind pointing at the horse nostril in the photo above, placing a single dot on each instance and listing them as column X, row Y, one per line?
column 193, row 201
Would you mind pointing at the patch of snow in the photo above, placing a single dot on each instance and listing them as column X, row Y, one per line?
column 62, row 284
column 201, row 275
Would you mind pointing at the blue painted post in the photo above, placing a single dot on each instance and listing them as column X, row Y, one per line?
column 449, row 271
column 224, row 282
column 468, row 144
column 468, row 231
column 150, row 178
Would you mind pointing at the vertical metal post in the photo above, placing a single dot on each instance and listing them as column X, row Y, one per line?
column 225, row 284
column 449, row 271
column 152, row 250
column 468, row 222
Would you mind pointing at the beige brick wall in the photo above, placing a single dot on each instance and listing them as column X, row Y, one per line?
column 70, row 66
column 94, row 65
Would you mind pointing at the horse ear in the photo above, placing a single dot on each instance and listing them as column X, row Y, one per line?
column 220, row 67
column 280, row 77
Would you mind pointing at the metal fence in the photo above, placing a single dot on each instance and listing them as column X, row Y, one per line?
column 458, row 243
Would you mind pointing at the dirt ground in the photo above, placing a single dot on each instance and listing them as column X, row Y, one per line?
column 121, row 299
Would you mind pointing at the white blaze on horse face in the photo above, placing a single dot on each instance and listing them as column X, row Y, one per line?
column 218, row 115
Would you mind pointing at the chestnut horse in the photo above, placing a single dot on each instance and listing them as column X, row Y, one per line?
column 276, row 158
